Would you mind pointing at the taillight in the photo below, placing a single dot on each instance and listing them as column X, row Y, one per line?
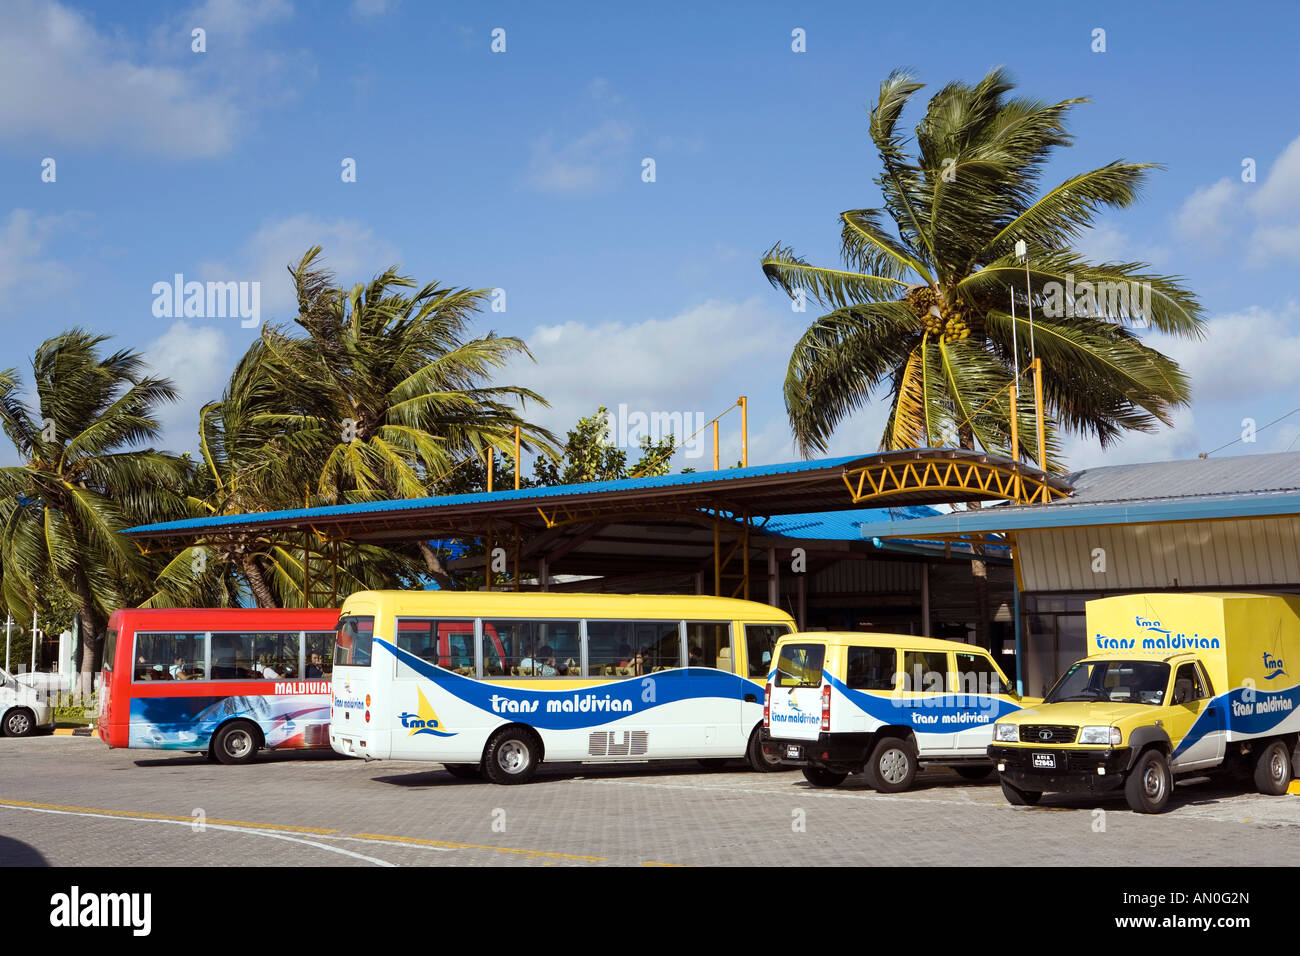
column 826, row 707
column 367, row 716
column 767, row 706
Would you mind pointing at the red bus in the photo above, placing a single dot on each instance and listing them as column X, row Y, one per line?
column 220, row 681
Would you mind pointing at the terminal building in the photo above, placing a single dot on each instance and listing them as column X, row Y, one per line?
column 859, row 542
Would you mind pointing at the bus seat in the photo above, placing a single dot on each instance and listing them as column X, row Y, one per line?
column 724, row 659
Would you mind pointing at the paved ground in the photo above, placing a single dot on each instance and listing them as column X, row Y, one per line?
column 69, row 801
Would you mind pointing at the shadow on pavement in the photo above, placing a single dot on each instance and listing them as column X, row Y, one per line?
column 17, row 853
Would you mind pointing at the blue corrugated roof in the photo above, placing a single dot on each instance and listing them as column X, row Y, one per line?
column 553, row 491
column 839, row 525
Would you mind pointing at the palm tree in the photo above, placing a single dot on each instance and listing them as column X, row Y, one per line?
column 924, row 308
column 385, row 395
column 81, row 480
column 248, row 465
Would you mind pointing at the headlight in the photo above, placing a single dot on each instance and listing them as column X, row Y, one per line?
column 1100, row 735
column 1006, row 732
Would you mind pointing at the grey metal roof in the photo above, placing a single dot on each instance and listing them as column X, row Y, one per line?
column 1241, row 474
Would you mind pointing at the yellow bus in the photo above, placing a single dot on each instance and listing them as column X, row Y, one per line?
column 493, row 683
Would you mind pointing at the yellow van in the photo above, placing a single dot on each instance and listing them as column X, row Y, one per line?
column 882, row 705
column 1172, row 684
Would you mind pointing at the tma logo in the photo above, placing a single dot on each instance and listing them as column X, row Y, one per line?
column 75, row 909
column 424, row 721
column 1273, row 666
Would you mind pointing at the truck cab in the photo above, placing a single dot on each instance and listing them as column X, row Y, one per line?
column 1173, row 684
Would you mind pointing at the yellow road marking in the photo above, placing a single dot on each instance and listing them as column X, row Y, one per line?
column 139, row 815
column 382, row 838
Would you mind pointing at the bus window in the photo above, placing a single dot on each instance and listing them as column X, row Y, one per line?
column 709, row 645
column 631, row 648
column 977, row 675
column 448, row 644
column 494, row 653
column 537, row 648
column 320, row 655
column 169, row 657
column 254, row 656
column 110, row 649
column 760, row 642
column 352, row 641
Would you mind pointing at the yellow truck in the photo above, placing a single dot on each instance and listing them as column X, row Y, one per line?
column 1173, row 684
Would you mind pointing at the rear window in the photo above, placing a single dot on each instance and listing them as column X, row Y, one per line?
column 800, row 665
column 352, row 641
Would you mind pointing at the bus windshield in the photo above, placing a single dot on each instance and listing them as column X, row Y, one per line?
column 1126, row 682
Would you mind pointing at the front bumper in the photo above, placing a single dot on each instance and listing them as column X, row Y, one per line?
column 1077, row 770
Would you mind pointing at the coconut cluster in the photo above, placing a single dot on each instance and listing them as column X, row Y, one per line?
column 941, row 320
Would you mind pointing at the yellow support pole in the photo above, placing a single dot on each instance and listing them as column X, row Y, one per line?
column 1038, row 412
column 743, row 402
column 717, row 462
column 717, row 559
column 746, row 557
column 491, row 458
column 518, row 467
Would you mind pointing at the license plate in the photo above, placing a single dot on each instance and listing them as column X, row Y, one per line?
column 1045, row 761
column 792, row 752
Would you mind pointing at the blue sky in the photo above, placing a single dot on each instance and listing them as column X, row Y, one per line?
column 523, row 170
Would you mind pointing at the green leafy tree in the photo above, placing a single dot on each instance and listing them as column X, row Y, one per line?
column 922, row 303
column 589, row 454
column 81, row 479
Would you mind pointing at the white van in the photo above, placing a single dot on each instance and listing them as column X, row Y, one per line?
column 22, row 708
column 883, row 705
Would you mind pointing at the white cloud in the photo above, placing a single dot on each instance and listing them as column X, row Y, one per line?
column 1206, row 215
column 1275, row 242
column 592, row 162
column 198, row 360
column 1279, row 194
column 349, row 249
column 24, row 265
column 236, row 19
column 65, row 83
column 1244, row 353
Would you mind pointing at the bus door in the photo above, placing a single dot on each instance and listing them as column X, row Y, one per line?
column 351, row 698
column 716, row 693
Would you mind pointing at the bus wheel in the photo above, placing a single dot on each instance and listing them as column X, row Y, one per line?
column 1020, row 798
column 760, row 762
column 512, row 756
column 235, row 743
column 1149, row 783
column 19, row 722
column 1273, row 769
column 821, row 777
column 974, row 773
column 892, row 766
column 463, row 771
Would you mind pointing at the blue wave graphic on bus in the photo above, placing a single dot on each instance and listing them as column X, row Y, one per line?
column 586, row 706
column 933, row 713
column 1232, row 711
